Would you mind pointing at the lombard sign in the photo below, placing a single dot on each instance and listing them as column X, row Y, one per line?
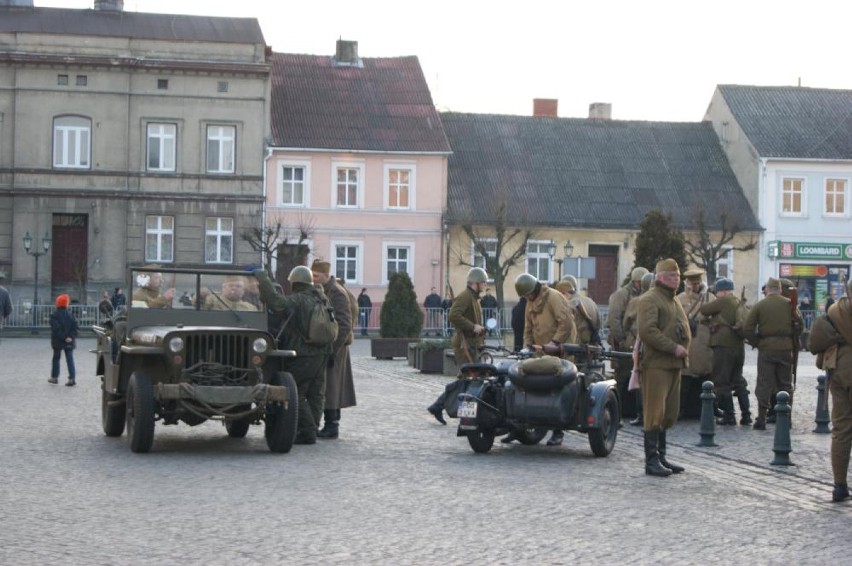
column 806, row 250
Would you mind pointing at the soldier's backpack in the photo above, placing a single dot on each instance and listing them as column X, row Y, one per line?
column 322, row 326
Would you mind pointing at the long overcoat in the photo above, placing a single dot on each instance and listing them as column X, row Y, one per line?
column 339, row 384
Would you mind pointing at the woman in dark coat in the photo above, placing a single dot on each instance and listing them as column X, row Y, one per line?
column 63, row 338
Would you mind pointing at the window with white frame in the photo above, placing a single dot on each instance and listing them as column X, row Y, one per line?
column 346, row 262
column 221, row 144
column 397, row 260
column 399, row 186
column 490, row 245
column 724, row 266
column 72, row 142
column 161, row 147
column 792, row 196
column 293, row 184
column 159, row 238
column 835, row 197
column 538, row 259
column 347, row 185
column 219, row 240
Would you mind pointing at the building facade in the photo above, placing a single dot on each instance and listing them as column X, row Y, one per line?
column 791, row 149
column 125, row 139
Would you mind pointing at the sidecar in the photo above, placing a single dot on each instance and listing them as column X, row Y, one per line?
column 531, row 404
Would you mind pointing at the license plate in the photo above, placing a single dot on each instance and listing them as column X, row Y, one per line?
column 467, row 409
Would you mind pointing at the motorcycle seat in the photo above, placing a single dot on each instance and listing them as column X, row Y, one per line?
column 543, row 382
column 477, row 370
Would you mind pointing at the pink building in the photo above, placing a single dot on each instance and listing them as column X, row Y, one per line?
column 359, row 156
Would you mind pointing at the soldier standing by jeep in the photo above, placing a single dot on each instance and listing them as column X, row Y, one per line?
column 339, row 385
column 308, row 367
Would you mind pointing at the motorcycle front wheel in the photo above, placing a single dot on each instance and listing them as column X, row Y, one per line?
column 602, row 440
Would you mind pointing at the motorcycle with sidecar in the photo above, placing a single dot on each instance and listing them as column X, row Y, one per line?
column 504, row 398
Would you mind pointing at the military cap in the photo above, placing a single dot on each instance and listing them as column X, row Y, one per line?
column 693, row 273
column 773, row 284
column 724, row 284
column 785, row 283
column 647, row 281
column 666, row 265
column 320, row 266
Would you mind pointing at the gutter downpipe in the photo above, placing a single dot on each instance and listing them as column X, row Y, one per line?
column 764, row 237
column 266, row 159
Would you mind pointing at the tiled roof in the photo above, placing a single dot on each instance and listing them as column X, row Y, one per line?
column 384, row 105
column 137, row 25
column 588, row 173
column 793, row 122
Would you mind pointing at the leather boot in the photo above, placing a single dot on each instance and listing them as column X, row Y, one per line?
column 760, row 421
column 661, row 448
column 331, row 427
column 745, row 412
column 653, row 467
column 726, row 403
column 840, row 493
column 437, row 410
column 555, row 438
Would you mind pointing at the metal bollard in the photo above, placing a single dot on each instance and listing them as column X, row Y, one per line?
column 781, row 445
column 708, row 416
column 822, row 415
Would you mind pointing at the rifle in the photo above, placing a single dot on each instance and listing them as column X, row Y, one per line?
column 794, row 309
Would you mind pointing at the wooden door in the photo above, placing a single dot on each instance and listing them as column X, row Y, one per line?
column 69, row 258
column 606, row 273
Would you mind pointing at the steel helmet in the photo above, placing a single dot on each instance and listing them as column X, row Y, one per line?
column 638, row 273
column 477, row 275
column 301, row 274
column 572, row 280
column 525, row 284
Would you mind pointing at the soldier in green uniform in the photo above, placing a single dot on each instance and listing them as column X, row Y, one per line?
column 664, row 331
column 308, row 368
column 770, row 328
column 231, row 297
column 617, row 338
column 728, row 348
column 631, row 330
column 466, row 316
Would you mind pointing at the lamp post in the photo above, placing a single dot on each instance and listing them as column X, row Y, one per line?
column 28, row 244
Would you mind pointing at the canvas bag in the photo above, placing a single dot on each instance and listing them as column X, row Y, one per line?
column 322, row 327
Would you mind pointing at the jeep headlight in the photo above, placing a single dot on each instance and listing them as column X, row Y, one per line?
column 176, row 344
column 260, row 345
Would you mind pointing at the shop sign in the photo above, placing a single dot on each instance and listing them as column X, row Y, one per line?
column 807, row 250
column 795, row 271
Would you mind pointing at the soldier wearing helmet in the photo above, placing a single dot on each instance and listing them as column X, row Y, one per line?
column 618, row 338
column 548, row 321
column 309, row 367
column 585, row 311
column 466, row 317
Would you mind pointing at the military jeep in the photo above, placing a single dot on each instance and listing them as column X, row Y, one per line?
column 188, row 349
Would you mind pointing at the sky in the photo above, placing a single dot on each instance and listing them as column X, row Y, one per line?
column 654, row 60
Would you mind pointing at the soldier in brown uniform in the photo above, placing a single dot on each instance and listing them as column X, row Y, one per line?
column 466, row 316
column 728, row 348
column 149, row 291
column 664, row 331
column 832, row 340
column 770, row 328
column 617, row 338
column 631, row 330
column 587, row 317
column 548, row 321
column 339, row 385
column 695, row 295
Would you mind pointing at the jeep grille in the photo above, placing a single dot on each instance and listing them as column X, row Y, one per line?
column 218, row 359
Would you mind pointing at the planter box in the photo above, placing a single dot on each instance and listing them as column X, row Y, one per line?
column 389, row 348
column 431, row 361
column 450, row 366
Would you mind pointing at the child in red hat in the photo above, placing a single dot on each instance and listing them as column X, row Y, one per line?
column 63, row 336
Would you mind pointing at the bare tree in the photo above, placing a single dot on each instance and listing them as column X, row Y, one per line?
column 706, row 251
column 501, row 242
column 279, row 242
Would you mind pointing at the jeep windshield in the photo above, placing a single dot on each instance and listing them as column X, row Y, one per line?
column 165, row 288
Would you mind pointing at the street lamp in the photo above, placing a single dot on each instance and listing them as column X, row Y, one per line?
column 28, row 244
column 568, row 249
column 551, row 251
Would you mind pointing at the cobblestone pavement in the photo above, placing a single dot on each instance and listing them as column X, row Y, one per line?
column 397, row 488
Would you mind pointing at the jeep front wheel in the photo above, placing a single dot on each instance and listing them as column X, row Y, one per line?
column 281, row 421
column 112, row 414
column 140, row 412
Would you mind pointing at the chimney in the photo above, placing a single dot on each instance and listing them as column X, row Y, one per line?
column 600, row 111
column 109, row 5
column 346, row 53
column 545, row 107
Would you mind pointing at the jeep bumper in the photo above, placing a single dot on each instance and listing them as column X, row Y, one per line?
column 260, row 394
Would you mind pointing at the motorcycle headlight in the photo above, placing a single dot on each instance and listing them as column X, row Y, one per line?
column 260, row 345
column 176, row 344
